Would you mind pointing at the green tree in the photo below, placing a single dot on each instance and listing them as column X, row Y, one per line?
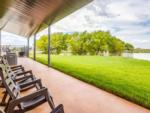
column 97, row 44
column 84, row 43
column 116, row 46
column 42, row 43
column 129, row 47
column 77, row 43
column 58, row 43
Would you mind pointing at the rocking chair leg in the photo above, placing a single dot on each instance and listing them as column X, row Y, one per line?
column 7, row 104
column 50, row 101
column 58, row 109
column 3, row 102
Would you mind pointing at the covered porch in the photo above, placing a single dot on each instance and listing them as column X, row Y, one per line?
column 77, row 96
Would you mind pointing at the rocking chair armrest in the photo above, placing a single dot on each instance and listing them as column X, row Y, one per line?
column 26, row 72
column 23, row 78
column 34, row 82
column 13, row 103
column 17, row 66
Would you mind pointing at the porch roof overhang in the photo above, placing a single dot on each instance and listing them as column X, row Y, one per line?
column 26, row 17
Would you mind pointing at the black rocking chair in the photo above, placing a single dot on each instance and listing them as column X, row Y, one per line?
column 20, row 104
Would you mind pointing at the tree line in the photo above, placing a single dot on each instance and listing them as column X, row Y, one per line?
column 84, row 43
column 140, row 50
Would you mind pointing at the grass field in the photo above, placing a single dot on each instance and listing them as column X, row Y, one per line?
column 125, row 77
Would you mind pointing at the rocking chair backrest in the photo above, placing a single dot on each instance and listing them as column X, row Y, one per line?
column 5, row 62
column 8, row 83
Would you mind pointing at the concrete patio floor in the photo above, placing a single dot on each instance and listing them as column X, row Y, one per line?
column 75, row 95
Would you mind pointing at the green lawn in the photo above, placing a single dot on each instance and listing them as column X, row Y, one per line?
column 125, row 77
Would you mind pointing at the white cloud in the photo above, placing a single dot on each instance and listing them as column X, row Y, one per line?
column 11, row 39
column 129, row 19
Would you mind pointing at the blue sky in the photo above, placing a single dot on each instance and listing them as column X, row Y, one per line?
column 129, row 20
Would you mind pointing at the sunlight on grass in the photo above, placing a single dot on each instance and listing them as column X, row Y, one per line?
column 125, row 77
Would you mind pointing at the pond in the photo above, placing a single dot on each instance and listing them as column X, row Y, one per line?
column 143, row 56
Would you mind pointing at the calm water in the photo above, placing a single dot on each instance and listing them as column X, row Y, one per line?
column 143, row 56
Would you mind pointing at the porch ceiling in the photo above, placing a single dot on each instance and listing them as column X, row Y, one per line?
column 25, row 17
